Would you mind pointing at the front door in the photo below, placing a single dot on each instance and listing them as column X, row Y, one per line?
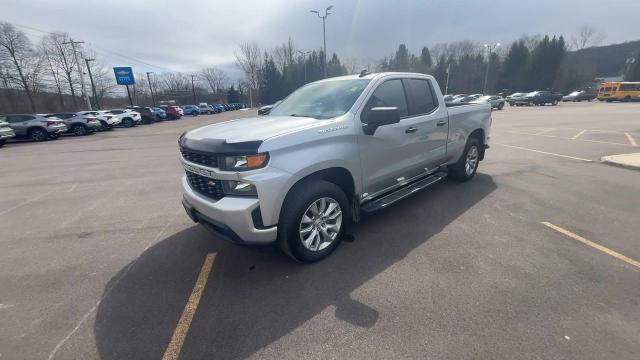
column 395, row 153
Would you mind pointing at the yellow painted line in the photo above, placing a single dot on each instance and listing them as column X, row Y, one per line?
column 180, row 333
column 632, row 141
column 546, row 153
column 604, row 249
column 544, row 131
column 578, row 134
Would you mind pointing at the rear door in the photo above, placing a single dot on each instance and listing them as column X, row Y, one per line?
column 432, row 121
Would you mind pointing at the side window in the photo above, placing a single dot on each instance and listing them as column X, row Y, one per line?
column 389, row 94
column 420, row 96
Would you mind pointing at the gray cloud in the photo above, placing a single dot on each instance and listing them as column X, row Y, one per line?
column 188, row 35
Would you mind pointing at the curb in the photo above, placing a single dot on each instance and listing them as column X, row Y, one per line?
column 620, row 160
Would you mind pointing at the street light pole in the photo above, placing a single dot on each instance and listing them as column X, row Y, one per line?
column 193, row 89
column 153, row 98
column 489, row 47
column 324, row 35
column 93, row 85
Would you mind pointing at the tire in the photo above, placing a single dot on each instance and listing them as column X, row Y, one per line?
column 466, row 167
column 299, row 204
column 38, row 134
column 2, row 142
column 554, row 103
column 128, row 122
column 627, row 99
column 500, row 106
column 79, row 130
column 54, row 136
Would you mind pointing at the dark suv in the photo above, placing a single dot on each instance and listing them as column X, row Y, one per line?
column 146, row 113
column 541, row 97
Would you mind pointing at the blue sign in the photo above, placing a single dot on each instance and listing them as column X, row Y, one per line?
column 124, row 75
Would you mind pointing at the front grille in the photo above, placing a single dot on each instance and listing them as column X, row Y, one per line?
column 203, row 185
column 209, row 160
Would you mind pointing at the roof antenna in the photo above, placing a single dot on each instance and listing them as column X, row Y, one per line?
column 364, row 73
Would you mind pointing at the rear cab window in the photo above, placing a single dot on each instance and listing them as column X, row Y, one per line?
column 421, row 97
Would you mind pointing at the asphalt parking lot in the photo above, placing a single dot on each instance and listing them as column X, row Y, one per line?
column 536, row 258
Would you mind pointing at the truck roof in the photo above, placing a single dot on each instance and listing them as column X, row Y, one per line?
column 372, row 76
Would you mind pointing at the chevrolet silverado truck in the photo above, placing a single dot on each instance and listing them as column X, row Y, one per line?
column 331, row 150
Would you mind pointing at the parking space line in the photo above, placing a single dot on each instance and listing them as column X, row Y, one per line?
column 543, row 131
column 578, row 134
column 632, row 141
column 565, row 138
column 544, row 152
column 180, row 333
column 596, row 246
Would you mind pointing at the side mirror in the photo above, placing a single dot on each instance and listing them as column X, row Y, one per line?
column 379, row 116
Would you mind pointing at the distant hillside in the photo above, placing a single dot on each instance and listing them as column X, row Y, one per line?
column 606, row 60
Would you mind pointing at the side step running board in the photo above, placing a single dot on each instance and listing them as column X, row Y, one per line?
column 397, row 195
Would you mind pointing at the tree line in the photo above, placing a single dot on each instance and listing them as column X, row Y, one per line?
column 45, row 76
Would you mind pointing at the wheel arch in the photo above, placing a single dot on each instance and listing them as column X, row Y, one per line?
column 479, row 134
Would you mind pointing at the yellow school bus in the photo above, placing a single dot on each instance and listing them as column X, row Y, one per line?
column 619, row 91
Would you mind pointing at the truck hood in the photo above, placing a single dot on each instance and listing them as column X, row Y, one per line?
column 253, row 129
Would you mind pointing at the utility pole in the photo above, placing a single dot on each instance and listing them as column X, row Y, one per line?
column 93, row 85
column 304, row 61
column 193, row 89
column 75, row 54
column 489, row 47
column 153, row 98
column 446, row 87
column 324, row 36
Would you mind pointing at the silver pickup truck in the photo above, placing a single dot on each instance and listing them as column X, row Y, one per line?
column 329, row 151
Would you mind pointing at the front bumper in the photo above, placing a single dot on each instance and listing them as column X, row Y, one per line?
column 229, row 217
column 59, row 129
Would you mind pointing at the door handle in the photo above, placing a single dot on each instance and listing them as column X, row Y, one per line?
column 411, row 130
column 441, row 123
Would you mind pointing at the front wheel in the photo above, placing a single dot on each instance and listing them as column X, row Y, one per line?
column 554, row 103
column 127, row 122
column 313, row 220
column 79, row 130
column 2, row 142
column 467, row 165
column 500, row 106
column 38, row 134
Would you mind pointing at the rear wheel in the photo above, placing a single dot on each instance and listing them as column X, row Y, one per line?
column 554, row 103
column 2, row 142
column 627, row 98
column 467, row 165
column 500, row 106
column 313, row 220
column 128, row 122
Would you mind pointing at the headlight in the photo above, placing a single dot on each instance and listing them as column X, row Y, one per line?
column 233, row 187
column 243, row 162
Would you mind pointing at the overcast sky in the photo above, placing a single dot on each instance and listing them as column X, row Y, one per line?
column 186, row 35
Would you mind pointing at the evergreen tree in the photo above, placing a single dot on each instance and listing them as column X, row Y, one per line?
column 425, row 58
column 515, row 67
column 232, row 95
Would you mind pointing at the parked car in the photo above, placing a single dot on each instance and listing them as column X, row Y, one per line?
column 219, row 108
column 172, row 113
column 497, row 102
column 77, row 123
column 107, row 120
column 128, row 117
column 160, row 114
column 267, row 108
column 35, row 127
column 191, row 110
column 580, row 95
column 179, row 109
column 146, row 113
column 6, row 132
column 205, row 109
column 540, row 97
column 511, row 99
column 329, row 151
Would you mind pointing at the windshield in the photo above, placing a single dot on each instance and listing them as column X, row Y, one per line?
column 321, row 100
column 575, row 93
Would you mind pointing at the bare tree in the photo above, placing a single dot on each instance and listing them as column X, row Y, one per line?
column 62, row 57
column 587, row 36
column 15, row 48
column 55, row 73
column 102, row 78
column 215, row 78
column 249, row 60
column 284, row 54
